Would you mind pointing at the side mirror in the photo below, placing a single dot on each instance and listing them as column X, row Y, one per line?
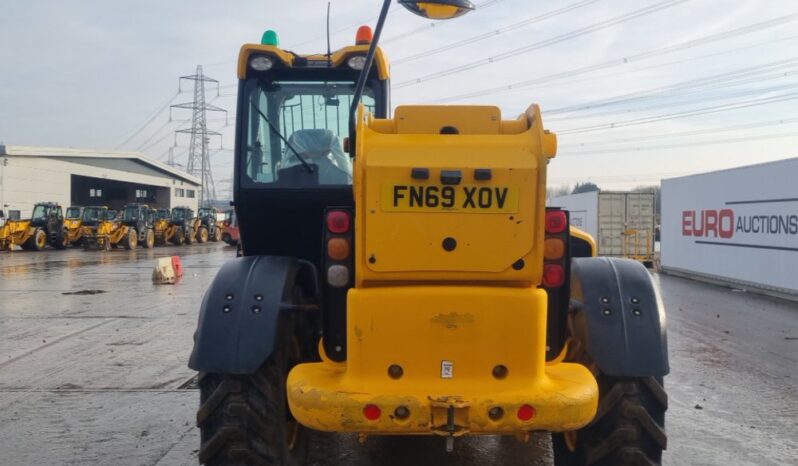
column 438, row 9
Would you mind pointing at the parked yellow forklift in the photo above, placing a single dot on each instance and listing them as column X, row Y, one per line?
column 416, row 285
column 99, row 228
column 46, row 226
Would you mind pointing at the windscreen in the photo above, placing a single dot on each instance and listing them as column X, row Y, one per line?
column 130, row 214
column 294, row 132
column 93, row 214
column 73, row 213
column 178, row 215
column 39, row 213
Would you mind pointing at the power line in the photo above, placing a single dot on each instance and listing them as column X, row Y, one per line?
column 684, row 114
column 681, row 134
column 625, row 60
column 148, row 121
column 495, row 32
column 790, row 134
column 514, row 53
column 727, row 77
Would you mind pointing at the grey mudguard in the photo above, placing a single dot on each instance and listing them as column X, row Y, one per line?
column 241, row 314
column 623, row 315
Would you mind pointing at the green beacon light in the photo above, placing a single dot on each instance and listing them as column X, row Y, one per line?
column 270, row 38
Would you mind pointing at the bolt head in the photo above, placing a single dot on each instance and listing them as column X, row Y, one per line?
column 229, row 297
column 256, row 309
column 258, row 297
column 605, row 300
column 227, row 308
column 637, row 312
column 607, row 312
column 635, row 300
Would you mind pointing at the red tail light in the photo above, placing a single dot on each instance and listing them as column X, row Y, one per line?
column 553, row 275
column 555, row 221
column 338, row 221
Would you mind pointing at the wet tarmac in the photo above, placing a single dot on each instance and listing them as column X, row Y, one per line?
column 93, row 371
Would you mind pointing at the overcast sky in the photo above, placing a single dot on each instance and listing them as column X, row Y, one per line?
column 637, row 90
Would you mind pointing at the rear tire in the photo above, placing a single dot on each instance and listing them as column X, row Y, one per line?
column 132, row 239
column 629, row 427
column 202, row 235
column 217, row 235
column 244, row 419
column 179, row 238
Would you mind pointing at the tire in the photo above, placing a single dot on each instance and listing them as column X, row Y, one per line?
column 132, row 239
column 227, row 239
column 190, row 236
column 629, row 427
column 37, row 241
column 179, row 238
column 217, row 235
column 202, row 235
column 149, row 241
column 244, row 419
column 61, row 241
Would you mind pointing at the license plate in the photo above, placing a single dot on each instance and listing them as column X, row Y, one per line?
column 449, row 198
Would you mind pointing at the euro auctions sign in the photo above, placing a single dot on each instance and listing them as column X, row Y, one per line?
column 725, row 223
column 738, row 225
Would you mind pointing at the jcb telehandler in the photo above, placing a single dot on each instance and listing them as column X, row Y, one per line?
column 213, row 228
column 99, row 227
column 46, row 226
column 137, row 221
column 74, row 225
column 186, row 226
column 420, row 287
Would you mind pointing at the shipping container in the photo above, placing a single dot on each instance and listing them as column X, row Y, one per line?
column 736, row 226
column 622, row 223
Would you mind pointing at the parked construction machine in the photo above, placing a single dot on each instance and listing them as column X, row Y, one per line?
column 213, row 227
column 416, row 285
column 46, row 226
column 137, row 221
column 74, row 225
column 100, row 228
column 185, row 225
column 230, row 231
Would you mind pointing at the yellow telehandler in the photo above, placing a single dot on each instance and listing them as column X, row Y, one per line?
column 46, row 226
column 73, row 223
column 417, row 285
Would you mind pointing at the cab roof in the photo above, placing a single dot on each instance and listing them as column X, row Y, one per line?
column 290, row 59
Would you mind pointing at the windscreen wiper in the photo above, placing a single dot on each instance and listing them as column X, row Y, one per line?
column 276, row 131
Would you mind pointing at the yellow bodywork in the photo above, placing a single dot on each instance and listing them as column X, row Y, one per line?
column 15, row 233
column 448, row 318
column 74, row 228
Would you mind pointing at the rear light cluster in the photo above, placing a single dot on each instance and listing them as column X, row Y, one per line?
column 338, row 247
column 554, row 248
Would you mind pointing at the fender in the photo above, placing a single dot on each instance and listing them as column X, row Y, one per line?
column 619, row 313
column 243, row 311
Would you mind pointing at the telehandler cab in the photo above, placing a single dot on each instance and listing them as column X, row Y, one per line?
column 46, row 226
column 420, row 287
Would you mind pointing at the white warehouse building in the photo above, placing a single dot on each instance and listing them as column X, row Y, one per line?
column 79, row 177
